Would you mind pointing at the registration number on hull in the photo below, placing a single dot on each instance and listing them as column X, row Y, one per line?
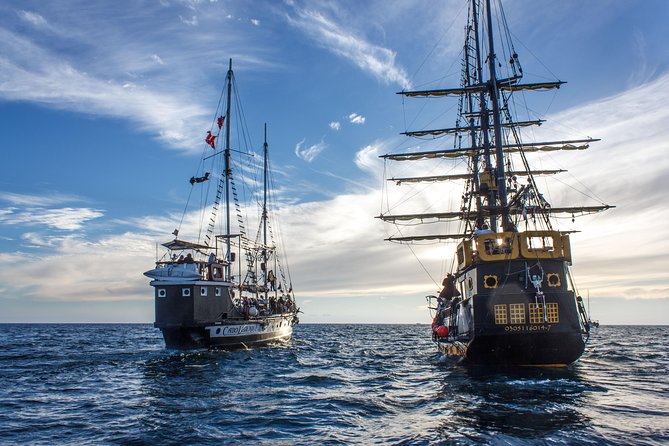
column 527, row 328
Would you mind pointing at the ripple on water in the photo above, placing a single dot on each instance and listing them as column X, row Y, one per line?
column 117, row 384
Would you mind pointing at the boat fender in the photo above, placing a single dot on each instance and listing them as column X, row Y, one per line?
column 442, row 331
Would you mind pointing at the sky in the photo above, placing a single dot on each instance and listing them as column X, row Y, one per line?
column 103, row 106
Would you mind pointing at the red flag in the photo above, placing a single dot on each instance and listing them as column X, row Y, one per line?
column 220, row 121
column 210, row 139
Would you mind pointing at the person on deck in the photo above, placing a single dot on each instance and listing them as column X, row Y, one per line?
column 448, row 291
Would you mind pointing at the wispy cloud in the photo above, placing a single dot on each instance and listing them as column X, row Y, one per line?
column 33, row 18
column 309, row 153
column 134, row 70
column 47, row 199
column 68, row 219
column 46, row 210
column 190, row 21
column 335, row 125
column 335, row 37
column 355, row 118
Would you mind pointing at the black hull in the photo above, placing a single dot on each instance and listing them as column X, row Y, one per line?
column 201, row 314
column 541, row 349
column 185, row 338
column 501, row 317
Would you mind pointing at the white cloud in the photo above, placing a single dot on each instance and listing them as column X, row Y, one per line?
column 355, row 118
column 33, row 18
column 115, row 263
column 190, row 21
column 157, row 59
column 34, row 74
column 255, row 22
column 310, row 153
column 373, row 59
column 68, row 219
column 368, row 159
column 94, row 63
column 335, row 125
column 47, row 199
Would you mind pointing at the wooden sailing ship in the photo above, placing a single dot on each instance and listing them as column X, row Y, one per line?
column 230, row 289
column 509, row 297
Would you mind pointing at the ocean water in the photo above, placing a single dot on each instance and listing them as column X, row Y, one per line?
column 332, row 384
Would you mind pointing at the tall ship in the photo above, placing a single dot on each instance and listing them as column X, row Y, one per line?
column 226, row 285
column 508, row 296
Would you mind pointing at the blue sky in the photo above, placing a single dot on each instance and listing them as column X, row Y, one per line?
column 103, row 106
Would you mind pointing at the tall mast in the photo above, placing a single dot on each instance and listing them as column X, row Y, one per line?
column 483, row 119
column 264, row 210
column 499, row 154
column 228, row 172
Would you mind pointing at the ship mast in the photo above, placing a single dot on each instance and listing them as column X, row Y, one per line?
column 499, row 154
column 484, row 116
column 264, row 211
column 227, row 176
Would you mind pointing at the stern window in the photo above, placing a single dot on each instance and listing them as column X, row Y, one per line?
column 536, row 313
column 500, row 314
column 517, row 313
column 185, row 292
column 552, row 314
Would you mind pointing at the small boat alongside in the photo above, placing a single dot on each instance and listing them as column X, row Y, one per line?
column 509, row 297
column 230, row 289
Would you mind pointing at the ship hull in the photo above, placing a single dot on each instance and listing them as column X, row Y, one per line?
column 505, row 319
column 234, row 335
column 202, row 314
column 555, row 350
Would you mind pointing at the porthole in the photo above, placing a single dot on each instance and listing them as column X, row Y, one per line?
column 554, row 280
column 162, row 292
column 185, row 292
column 218, row 292
column 490, row 281
column 203, row 291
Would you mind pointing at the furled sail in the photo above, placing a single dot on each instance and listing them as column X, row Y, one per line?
column 576, row 144
column 465, row 176
column 437, row 132
column 482, row 87
column 494, row 210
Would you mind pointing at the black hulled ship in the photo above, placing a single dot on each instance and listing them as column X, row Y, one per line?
column 230, row 287
column 509, row 297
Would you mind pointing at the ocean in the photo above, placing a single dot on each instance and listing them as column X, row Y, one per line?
column 331, row 384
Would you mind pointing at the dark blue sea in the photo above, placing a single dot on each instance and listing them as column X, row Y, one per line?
column 332, row 384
